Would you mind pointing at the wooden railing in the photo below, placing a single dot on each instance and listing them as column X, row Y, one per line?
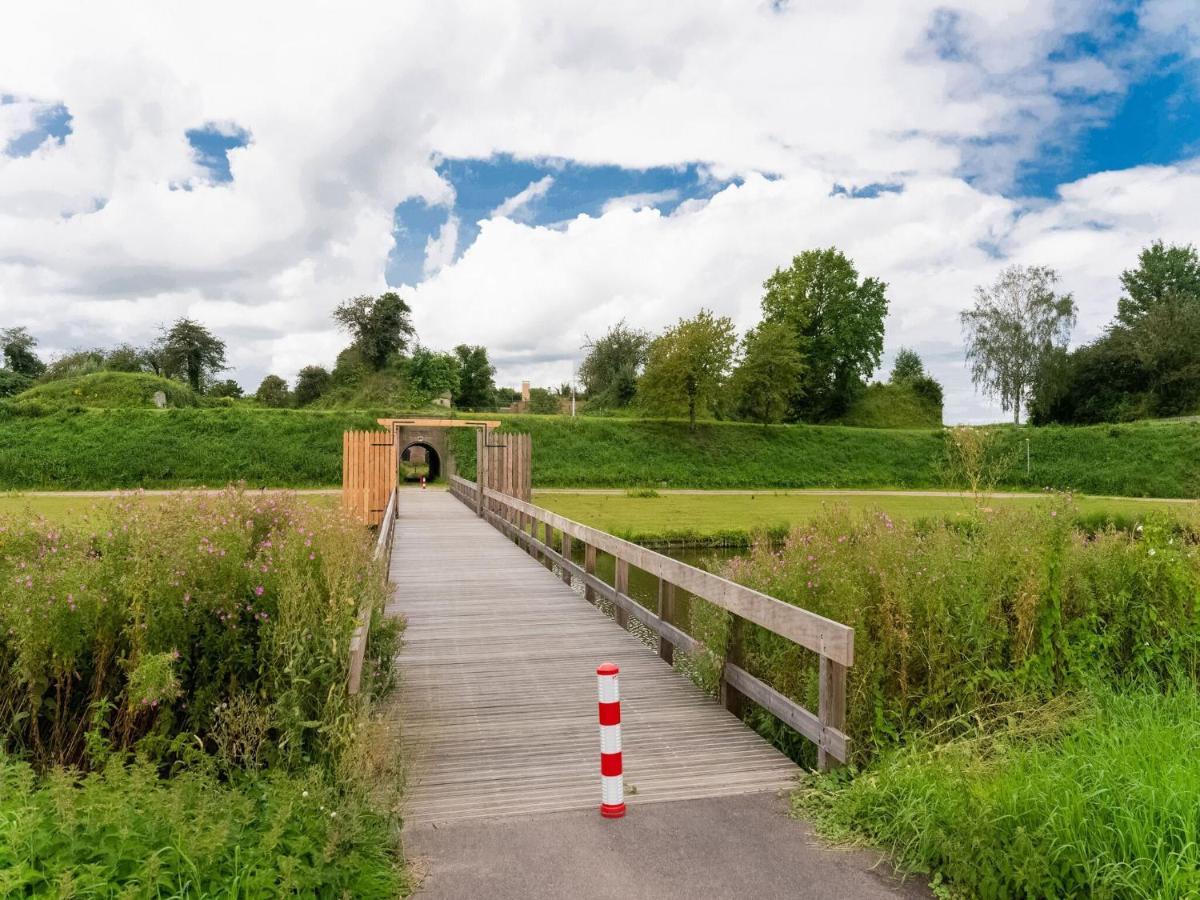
column 383, row 551
column 536, row 528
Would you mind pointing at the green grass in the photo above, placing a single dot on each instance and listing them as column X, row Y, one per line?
column 109, row 390
column 734, row 518
column 126, row 448
column 1103, row 804
column 67, row 508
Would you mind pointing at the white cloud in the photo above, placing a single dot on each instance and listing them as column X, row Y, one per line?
column 640, row 201
column 350, row 107
column 516, row 206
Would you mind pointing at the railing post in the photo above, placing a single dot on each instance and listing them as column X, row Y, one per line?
column 731, row 697
column 621, row 583
column 566, row 552
column 831, row 709
column 589, row 566
column 549, row 542
column 480, row 468
column 666, row 612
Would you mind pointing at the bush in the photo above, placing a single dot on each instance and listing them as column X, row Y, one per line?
column 125, row 831
column 154, row 623
column 954, row 618
column 12, row 383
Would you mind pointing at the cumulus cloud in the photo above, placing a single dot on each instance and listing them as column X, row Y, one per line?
column 120, row 228
column 515, row 206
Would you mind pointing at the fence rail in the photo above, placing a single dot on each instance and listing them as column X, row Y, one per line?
column 383, row 551
column 535, row 528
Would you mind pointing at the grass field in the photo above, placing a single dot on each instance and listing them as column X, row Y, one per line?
column 75, row 508
column 733, row 518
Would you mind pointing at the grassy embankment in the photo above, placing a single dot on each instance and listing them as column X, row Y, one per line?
column 103, row 449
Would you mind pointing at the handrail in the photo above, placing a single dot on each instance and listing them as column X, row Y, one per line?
column 383, row 550
column 832, row 641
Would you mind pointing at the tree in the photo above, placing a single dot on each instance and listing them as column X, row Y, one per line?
column 476, row 389
column 311, row 383
column 16, row 345
column 434, row 373
column 74, row 364
column 1162, row 273
column 543, row 402
column 687, row 365
column 907, row 367
column 768, row 378
column 125, row 358
column 226, row 388
column 273, row 392
column 191, row 350
column 381, row 326
column 837, row 323
column 1012, row 328
column 610, row 370
column 13, row 383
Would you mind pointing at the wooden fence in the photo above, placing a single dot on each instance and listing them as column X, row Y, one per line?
column 370, row 466
column 383, row 551
column 536, row 529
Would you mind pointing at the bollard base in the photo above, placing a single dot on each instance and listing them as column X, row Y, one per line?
column 612, row 810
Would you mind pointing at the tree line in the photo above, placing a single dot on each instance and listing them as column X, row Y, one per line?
column 1146, row 364
column 819, row 341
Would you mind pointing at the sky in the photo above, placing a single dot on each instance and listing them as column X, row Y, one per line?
column 528, row 174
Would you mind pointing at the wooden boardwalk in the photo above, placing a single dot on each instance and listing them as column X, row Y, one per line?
column 498, row 689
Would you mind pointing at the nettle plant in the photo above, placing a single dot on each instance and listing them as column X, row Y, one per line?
column 141, row 624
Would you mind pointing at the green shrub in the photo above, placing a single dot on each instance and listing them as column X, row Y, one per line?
column 912, row 404
column 1099, row 803
column 156, row 617
column 124, row 831
column 950, row 618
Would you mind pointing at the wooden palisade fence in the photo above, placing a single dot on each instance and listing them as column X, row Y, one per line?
column 552, row 537
column 383, row 552
column 370, row 468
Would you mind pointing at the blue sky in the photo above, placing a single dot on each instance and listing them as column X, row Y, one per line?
column 559, row 190
column 934, row 154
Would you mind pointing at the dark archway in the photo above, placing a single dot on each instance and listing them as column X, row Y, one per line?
column 417, row 459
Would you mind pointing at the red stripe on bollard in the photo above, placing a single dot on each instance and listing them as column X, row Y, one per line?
column 612, row 784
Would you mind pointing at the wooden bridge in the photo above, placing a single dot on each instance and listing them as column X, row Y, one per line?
column 497, row 672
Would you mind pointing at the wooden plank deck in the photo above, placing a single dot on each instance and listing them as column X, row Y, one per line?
column 497, row 696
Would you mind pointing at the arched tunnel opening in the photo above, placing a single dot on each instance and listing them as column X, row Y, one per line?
column 419, row 459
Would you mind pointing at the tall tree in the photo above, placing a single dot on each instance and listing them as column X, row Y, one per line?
column 16, row 345
column 907, row 367
column 1163, row 273
column 476, row 390
column 311, row 383
column 837, row 323
column 1012, row 329
column 191, row 350
column 610, row 370
column 687, row 365
column 768, row 378
column 381, row 326
column 273, row 392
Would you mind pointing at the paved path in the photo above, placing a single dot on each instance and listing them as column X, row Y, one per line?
column 497, row 710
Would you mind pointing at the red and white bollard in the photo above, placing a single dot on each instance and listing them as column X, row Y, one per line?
column 422, row 482
column 612, row 781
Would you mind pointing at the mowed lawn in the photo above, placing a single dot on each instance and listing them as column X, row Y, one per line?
column 75, row 508
column 683, row 515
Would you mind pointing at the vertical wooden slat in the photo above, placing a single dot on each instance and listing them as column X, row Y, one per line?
column 731, row 697
column 621, row 583
column 831, row 708
column 666, row 612
column 480, row 473
column 589, row 566
column 566, row 552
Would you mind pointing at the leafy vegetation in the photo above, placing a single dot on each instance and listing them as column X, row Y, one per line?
column 893, row 406
column 174, row 706
column 687, row 366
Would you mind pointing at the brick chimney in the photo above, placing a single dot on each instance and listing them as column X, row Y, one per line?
column 524, row 391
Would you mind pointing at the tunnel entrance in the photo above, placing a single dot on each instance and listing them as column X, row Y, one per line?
column 419, row 459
